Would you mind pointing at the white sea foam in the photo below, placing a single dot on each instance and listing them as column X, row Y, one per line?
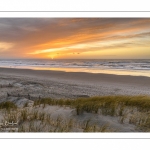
column 142, row 67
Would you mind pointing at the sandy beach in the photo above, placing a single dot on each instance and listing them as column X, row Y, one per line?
column 57, row 84
column 22, row 86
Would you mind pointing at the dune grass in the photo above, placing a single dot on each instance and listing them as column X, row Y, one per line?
column 7, row 105
column 109, row 105
column 128, row 109
column 37, row 121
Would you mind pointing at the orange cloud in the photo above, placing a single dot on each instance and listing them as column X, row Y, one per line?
column 40, row 38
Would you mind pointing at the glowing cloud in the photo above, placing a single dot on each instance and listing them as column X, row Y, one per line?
column 5, row 46
column 69, row 37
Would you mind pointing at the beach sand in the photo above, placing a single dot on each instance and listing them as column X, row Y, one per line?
column 57, row 84
column 25, row 85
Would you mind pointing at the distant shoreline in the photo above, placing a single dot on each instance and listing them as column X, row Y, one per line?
column 30, row 70
column 62, row 71
column 133, row 67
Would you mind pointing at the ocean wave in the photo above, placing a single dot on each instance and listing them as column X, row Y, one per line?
column 90, row 64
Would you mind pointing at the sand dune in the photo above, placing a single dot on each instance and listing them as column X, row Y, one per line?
column 22, row 86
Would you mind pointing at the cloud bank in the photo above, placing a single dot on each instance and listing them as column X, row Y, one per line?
column 65, row 37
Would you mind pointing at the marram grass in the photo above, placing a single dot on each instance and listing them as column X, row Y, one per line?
column 108, row 104
column 128, row 109
column 7, row 105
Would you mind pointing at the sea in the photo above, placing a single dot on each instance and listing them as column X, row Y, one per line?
column 133, row 67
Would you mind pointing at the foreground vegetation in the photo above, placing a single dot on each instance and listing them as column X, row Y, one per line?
column 107, row 104
column 128, row 109
column 7, row 105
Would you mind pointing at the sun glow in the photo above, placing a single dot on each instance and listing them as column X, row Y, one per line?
column 52, row 56
column 82, row 39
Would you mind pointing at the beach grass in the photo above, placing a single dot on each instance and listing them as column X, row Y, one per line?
column 128, row 109
column 7, row 105
column 109, row 105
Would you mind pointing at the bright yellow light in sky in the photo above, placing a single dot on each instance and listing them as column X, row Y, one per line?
column 75, row 38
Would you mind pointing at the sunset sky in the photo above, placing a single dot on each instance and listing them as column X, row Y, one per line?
column 75, row 38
